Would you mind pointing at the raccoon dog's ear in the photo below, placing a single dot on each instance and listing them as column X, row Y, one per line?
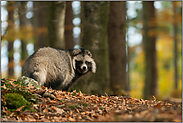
column 76, row 52
column 89, row 53
column 74, row 63
column 93, row 66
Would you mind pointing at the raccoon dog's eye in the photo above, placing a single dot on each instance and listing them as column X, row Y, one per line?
column 87, row 63
column 79, row 62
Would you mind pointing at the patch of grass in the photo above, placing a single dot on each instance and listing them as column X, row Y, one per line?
column 74, row 94
column 76, row 106
column 18, row 82
column 102, row 108
column 30, row 110
column 116, row 117
column 85, row 104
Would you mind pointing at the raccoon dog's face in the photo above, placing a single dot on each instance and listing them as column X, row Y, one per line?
column 83, row 61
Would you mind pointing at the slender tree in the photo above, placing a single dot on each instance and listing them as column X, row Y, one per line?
column 69, row 41
column 175, row 26
column 39, row 23
column 94, row 38
column 10, row 9
column 23, row 24
column 55, row 23
column 149, row 43
column 117, row 46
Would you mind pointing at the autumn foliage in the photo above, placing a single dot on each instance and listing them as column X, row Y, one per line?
column 61, row 106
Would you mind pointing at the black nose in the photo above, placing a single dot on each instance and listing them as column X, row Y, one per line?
column 84, row 67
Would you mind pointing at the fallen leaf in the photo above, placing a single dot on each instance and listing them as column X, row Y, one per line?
column 47, row 94
column 19, row 109
column 158, row 105
column 30, row 118
column 31, row 87
column 40, row 92
column 22, row 87
column 87, row 117
column 43, row 87
column 11, row 82
column 96, row 116
column 57, row 110
column 115, row 98
column 19, row 119
column 123, row 102
column 7, row 112
column 70, row 113
column 82, row 113
column 36, row 116
column 4, row 86
column 64, row 119
column 3, row 99
column 45, row 110
column 71, row 119
column 11, row 115
column 80, row 93
column 76, row 110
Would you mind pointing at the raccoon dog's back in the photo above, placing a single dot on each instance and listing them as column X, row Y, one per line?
column 53, row 68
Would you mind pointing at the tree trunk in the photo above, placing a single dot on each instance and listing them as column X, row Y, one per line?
column 94, row 32
column 10, row 9
column 55, row 23
column 69, row 40
column 23, row 24
column 175, row 26
column 149, row 40
column 117, row 47
column 39, row 22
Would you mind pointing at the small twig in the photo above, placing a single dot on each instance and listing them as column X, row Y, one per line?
column 106, row 94
column 154, row 98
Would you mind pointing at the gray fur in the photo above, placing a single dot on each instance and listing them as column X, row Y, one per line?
column 58, row 69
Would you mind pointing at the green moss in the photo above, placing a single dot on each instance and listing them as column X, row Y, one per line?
column 85, row 104
column 18, row 82
column 102, row 108
column 74, row 94
column 116, row 117
column 18, row 89
column 15, row 100
column 76, row 106
column 16, row 96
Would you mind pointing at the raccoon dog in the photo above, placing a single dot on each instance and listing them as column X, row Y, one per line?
column 58, row 69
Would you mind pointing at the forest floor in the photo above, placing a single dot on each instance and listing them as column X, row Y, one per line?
column 49, row 105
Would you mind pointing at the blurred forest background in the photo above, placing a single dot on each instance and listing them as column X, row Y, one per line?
column 137, row 45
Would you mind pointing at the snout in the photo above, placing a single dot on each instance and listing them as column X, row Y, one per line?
column 84, row 68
